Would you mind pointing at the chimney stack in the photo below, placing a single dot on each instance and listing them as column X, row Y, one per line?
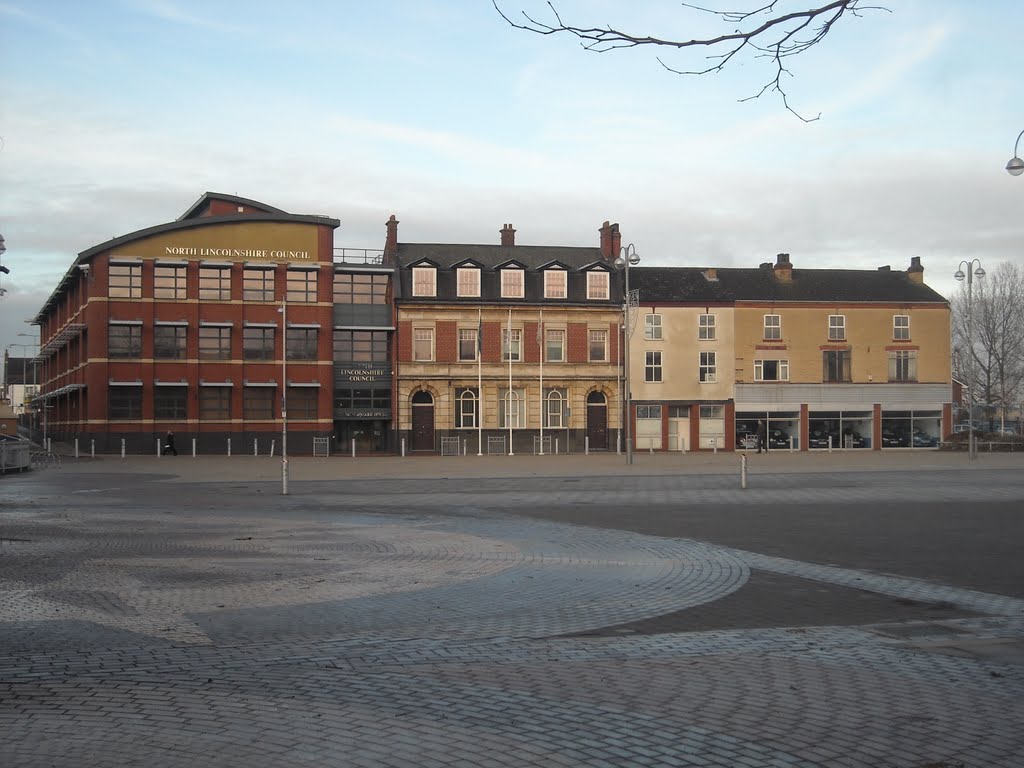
column 783, row 268
column 391, row 242
column 611, row 241
column 508, row 235
column 916, row 271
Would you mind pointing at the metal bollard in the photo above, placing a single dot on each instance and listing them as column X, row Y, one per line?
column 403, row 447
column 790, row 443
column 193, row 447
column 618, row 444
column 714, row 445
column 556, row 446
column 463, row 447
column 255, row 446
column 122, row 447
column 229, row 446
column 159, row 448
column 586, row 445
column 743, row 471
column 76, row 447
column 353, row 447
column 272, row 448
column 830, row 443
column 92, row 448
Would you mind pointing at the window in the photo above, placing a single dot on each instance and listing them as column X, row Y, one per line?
column 124, row 341
column 125, row 402
column 363, row 399
column 652, row 327
column 712, row 412
column 423, row 344
column 598, row 346
column 903, row 365
column 169, row 342
column 512, row 283
column 360, row 289
column 554, row 283
column 215, row 283
column 468, row 281
column 257, row 343
column 257, row 284
column 511, row 344
column 706, row 328
column 302, row 402
column 424, row 281
column 556, row 408
column 467, row 344
column 124, row 281
column 258, row 403
column 170, row 402
column 302, row 343
column 302, row 285
column 708, row 367
column 597, row 285
column 771, row 370
column 836, row 327
column 361, row 346
column 512, row 408
column 466, row 409
column 835, row 366
column 169, row 281
column 901, row 327
column 648, row 412
column 215, row 403
column 652, row 366
column 555, row 347
column 214, row 342
column 773, row 326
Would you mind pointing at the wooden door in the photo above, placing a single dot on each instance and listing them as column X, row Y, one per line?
column 597, row 421
column 422, row 422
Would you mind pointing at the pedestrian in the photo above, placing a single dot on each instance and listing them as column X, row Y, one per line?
column 169, row 447
column 762, row 436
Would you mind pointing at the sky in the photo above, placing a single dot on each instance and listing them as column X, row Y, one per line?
column 116, row 115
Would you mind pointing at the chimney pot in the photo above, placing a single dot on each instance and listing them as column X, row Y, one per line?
column 783, row 268
column 916, row 271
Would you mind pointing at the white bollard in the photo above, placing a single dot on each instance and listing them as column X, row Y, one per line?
column 255, row 446
column 193, row 447
column 714, row 445
column 743, row 471
column 272, row 448
column 353, row 447
column 618, row 443
column 556, row 446
column 403, row 447
column 830, row 443
column 76, row 447
column 790, row 443
column 463, row 447
column 122, row 447
column 92, row 448
column 159, row 448
column 586, row 445
column 229, row 446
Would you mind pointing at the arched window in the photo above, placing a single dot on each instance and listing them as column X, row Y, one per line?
column 422, row 398
column 513, row 410
column 556, row 415
column 466, row 409
column 596, row 398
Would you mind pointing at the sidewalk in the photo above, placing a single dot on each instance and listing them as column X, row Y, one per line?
column 305, row 468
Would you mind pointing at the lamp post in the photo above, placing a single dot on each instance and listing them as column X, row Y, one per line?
column 284, row 397
column 973, row 270
column 1016, row 166
column 627, row 258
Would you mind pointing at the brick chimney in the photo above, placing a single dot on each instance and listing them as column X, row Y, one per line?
column 611, row 241
column 916, row 271
column 508, row 236
column 391, row 242
column 783, row 268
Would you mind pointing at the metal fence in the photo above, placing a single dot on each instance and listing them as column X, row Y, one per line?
column 496, row 444
column 321, row 446
column 15, row 456
column 450, row 446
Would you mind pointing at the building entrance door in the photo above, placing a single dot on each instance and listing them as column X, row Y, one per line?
column 597, row 421
column 678, row 433
column 422, row 422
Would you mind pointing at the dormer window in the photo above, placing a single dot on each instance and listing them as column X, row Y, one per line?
column 468, row 279
column 597, row 285
column 554, row 284
column 424, row 281
column 512, row 283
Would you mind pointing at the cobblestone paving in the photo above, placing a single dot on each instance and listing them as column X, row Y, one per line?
column 328, row 630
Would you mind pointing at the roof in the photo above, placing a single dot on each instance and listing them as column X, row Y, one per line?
column 532, row 257
column 688, row 284
column 197, row 208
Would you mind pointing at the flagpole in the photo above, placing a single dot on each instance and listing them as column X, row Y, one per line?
column 508, row 408
column 480, row 384
column 543, row 402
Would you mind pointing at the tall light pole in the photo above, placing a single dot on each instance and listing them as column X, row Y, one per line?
column 284, row 397
column 1016, row 166
column 628, row 257
column 973, row 270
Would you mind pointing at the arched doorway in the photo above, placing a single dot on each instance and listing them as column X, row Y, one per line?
column 597, row 421
column 422, row 421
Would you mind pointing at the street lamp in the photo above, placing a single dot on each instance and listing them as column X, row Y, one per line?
column 628, row 257
column 284, row 397
column 1016, row 166
column 971, row 273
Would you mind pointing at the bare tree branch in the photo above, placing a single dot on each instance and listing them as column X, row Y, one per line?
column 776, row 37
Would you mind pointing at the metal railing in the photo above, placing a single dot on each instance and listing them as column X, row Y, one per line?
column 371, row 256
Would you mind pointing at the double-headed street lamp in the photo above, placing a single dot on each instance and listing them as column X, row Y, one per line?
column 628, row 257
column 1016, row 166
column 973, row 270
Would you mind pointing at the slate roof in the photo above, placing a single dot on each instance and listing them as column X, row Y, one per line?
column 688, row 284
column 530, row 256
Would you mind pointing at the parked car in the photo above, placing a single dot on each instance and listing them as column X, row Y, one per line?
column 891, row 439
column 852, row 438
column 746, row 441
column 818, row 438
column 923, row 440
column 777, row 439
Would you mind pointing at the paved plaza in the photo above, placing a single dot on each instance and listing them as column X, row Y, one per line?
column 841, row 610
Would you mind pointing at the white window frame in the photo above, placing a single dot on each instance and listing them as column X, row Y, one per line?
column 593, row 336
column 901, row 330
column 512, row 402
column 706, row 327
column 424, row 281
column 772, row 327
column 512, row 289
column 708, row 370
column 464, row 419
column 556, row 406
column 467, row 282
column 652, row 366
column 837, row 327
column 557, row 334
column 556, row 289
column 783, row 369
column 419, row 336
column 652, row 327
column 467, row 335
column 597, row 285
column 511, row 345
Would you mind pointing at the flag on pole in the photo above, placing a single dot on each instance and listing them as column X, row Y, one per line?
column 480, row 337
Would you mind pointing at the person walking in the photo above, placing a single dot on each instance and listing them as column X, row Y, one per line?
column 169, row 447
column 762, row 436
